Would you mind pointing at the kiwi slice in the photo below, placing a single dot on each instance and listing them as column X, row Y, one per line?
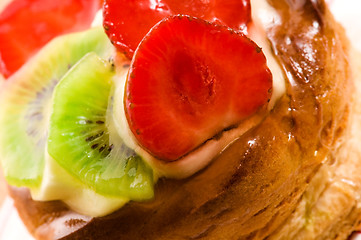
column 83, row 139
column 25, row 98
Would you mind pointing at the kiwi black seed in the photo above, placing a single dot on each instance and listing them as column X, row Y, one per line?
column 25, row 98
column 82, row 138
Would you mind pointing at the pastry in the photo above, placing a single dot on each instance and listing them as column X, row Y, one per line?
column 293, row 175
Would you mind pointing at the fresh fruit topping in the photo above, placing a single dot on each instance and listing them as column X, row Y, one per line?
column 27, row 25
column 188, row 81
column 82, row 138
column 25, row 99
column 127, row 21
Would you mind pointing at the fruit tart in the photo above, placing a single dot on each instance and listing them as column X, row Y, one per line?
column 187, row 120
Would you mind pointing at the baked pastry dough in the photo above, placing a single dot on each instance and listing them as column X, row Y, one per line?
column 294, row 176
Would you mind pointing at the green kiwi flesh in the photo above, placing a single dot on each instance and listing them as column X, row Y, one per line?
column 25, row 98
column 81, row 139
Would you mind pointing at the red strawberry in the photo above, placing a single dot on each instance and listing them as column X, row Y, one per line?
column 27, row 25
column 127, row 21
column 189, row 80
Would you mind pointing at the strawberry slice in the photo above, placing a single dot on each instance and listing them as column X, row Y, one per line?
column 127, row 21
column 27, row 25
column 189, row 80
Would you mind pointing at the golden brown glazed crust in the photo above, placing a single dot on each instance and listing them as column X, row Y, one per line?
column 257, row 183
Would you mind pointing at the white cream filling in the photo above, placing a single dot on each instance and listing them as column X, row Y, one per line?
column 98, row 19
column 264, row 17
column 57, row 184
